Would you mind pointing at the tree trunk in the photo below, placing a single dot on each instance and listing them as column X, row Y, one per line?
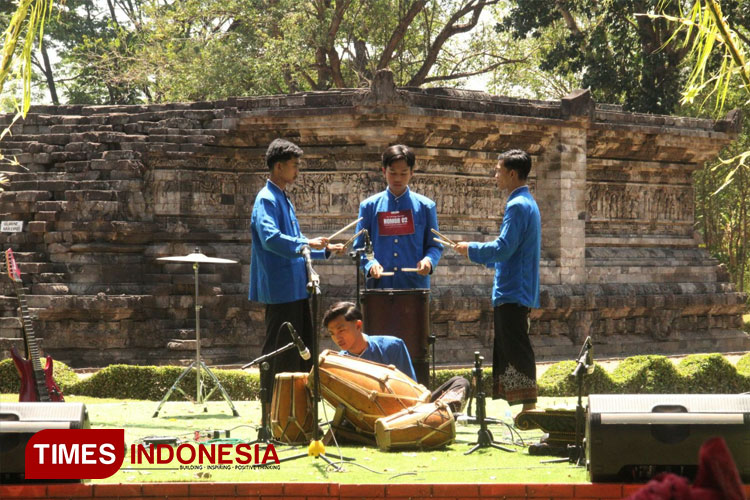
column 49, row 76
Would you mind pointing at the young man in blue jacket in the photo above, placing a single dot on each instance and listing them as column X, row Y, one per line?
column 343, row 320
column 399, row 223
column 278, row 275
column 515, row 257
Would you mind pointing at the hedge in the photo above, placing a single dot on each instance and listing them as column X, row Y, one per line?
column 698, row 373
column 743, row 365
column 10, row 382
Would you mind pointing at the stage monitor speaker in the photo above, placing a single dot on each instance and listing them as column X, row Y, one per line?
column 19, row 421
column 631, row 437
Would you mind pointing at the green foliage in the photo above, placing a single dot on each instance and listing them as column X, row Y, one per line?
column 699, row 373
column 743, row 365
column 153, row 382
column 557, row 381
column 27, row 21
column 704, row 373
column 709, row 374
column 607, row 46
column 10, row 382
column 647, row 374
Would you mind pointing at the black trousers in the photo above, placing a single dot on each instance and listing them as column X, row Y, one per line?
column 298, row 314
column 453, row 392
column 513, row 361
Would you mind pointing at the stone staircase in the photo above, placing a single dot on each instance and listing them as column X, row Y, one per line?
column 87, row 251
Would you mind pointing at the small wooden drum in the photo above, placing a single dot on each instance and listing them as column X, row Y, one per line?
column 425, row 427
column 367, row 390
column 291, row 409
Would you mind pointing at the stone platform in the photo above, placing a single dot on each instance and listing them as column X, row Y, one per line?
column 111, row 188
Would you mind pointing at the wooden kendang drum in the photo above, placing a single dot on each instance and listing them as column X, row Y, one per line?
column 367, row 391
column 404, row 314
column 425, row 427
column 291, row 409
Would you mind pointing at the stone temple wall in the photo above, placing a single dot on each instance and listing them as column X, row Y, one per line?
column 110, row 188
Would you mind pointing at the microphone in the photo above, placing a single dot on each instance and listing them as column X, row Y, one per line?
column 311, row 274
column 369, row 251
column 589, row 356
column 304, row 352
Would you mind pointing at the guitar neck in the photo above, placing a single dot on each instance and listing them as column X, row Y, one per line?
column 32, row 348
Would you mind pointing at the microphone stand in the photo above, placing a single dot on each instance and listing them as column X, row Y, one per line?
column 356, row 256
column 585, row 365
column 484, row 435
column 316, row 448
column 264, row 432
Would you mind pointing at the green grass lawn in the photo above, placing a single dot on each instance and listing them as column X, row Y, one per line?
column 182, row 419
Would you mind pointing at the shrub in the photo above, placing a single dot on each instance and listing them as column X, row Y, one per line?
column 558, row 381
column 743, row 365
column 709, row 374
column 442, row 376
column 153, row 382
column 647, row 374
column 10, row 381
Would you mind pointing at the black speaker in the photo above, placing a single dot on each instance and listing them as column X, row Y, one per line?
column 631, row 437
column 19, row 421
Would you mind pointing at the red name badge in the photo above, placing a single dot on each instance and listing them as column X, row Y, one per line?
column 395, row 223
column 74, row 453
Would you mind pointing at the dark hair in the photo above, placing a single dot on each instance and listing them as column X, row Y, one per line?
column 348, row 310
column 518, row 160
column 281, row 150
column 398, row 152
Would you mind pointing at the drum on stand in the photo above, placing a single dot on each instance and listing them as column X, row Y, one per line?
column 291, row 408
column 404, row 314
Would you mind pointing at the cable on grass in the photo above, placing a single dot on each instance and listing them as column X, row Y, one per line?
column 354, row 463
column 403, row 474
column 333, row 434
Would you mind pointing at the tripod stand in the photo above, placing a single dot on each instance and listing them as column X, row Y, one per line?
column 200, row 396
column 264, row 432
column 484, row 436
column 585, row 365
column 316, row 448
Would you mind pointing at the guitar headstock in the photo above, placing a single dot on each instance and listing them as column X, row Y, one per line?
column 10, row 265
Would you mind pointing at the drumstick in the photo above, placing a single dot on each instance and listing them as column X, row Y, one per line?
column 442, row 236
column 386, row 273
column 409, row 269
column 351, row 240
column 448, row 243
column 344, row 229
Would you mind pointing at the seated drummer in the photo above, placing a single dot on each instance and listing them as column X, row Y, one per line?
column 344, row 322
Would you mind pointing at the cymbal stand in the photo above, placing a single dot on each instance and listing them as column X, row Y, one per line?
column 484, row 436
column 199, row 365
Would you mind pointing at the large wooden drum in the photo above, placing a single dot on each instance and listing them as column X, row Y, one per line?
column 404, row 314
column 291, row 409
column 424, row 427
column 366, row 390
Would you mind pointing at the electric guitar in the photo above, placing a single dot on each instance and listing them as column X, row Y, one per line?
column 37, row 383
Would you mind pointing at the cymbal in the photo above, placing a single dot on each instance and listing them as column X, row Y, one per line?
column 199, row 258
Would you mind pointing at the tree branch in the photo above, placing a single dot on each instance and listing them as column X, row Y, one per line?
column 570, row 22
column 330, row 48
column 466, row 74
column 399, row 33
column 450, row 29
